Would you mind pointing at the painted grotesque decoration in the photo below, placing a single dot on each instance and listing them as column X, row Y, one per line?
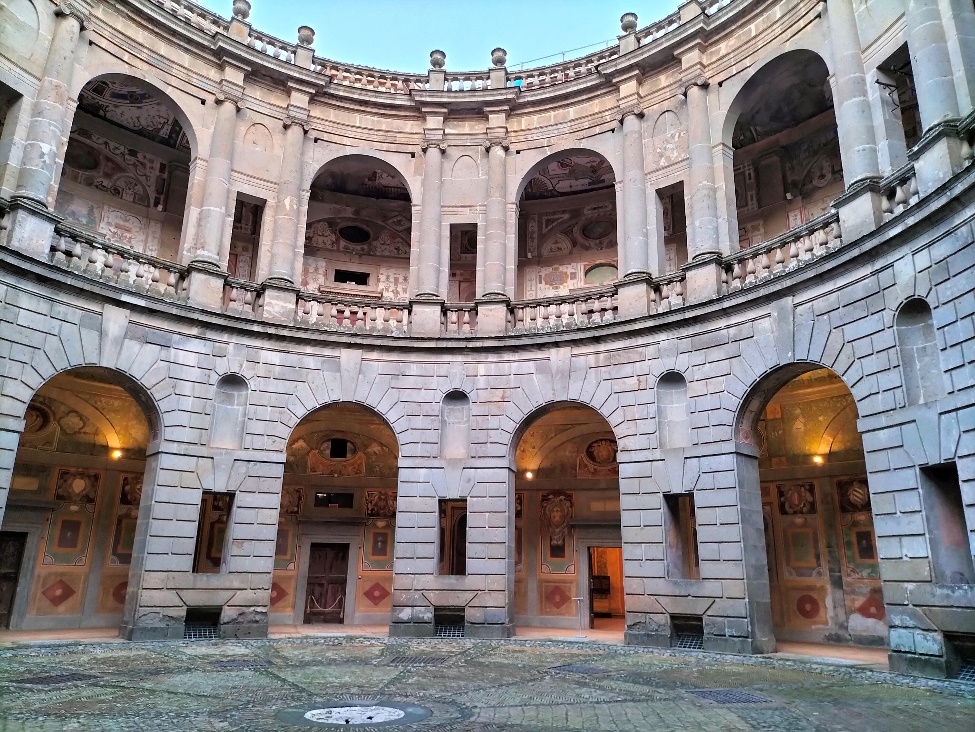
column 556, row 513
column 381, row 504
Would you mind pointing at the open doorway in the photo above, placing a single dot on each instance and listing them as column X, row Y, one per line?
column 607, row 609
column 328, row 574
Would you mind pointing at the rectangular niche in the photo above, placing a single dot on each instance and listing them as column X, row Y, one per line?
column 951, row 551
column 680, row 526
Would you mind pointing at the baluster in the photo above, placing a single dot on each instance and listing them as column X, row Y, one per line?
column 725, row 280
column 793, row 253
column 821, row 241
column 679, row 292
column 807, row 247
column 764, row 265
column 736, row 275
column 171, row 282
column 664, row 296
column 750, row 271
column 779, row 258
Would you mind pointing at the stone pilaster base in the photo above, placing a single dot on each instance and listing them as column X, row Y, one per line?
column 204, row 286
column 492, row 317
column 280, row 303
column 30, row 228
column 703, row 278
column 860, row 210
column 425, row 318
column 633, row 296
column 936, row 157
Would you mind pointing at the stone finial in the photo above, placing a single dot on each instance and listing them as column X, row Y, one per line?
column 499, row 57
column 306, row 35
column 437, row 59
column 628, row 22
column 242, row 9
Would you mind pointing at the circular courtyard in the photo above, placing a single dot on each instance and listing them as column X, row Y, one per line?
column 456, row 684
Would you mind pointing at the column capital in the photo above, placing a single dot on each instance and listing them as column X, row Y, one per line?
column 502, row 142
column 232, row 92
column 296, row 116
column 427, row 144
column 692, row 80
column 80, row 11
column 631, row 109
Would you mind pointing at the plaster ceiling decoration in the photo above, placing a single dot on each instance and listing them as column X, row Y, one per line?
column 120, row 171
column 359, row 175
column 135, row 109
column 574, row 174
column 354, row 236
column 781, row 96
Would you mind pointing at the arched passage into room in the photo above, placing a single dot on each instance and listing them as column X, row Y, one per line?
column 126, row 170
column 333, row 559
column 567, row 228
column 820, row 544
column 357, row 236
column 568, row 541
column 68, row 538
column 782, row 127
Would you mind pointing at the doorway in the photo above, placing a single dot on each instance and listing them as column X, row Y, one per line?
column 11, row 554
column 606, row 604
column 328, row 573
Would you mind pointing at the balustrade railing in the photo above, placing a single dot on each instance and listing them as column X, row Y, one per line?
column 96, row 257
column 467, row 81
column 274, row 47
column 565, row 312
column 668, row 292
column 561, row 72
column 659, row 29
column 335, row 312
column 783, row 253
column 459, row 319
column 898, row 191
column 364, row 77
column 242, row 298
column 195, row 15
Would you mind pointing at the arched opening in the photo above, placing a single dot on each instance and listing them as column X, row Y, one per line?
column 567, row 238
column 126, row 169
column 357, row 237
column 787, row 167
column 333, row 561
column 820, row 543
column 568, row 541
column 68, row 534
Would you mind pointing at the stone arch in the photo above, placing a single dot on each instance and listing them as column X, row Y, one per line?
column 152, row 84
column 389, row 161
column 673, row 411
column 531, row 417
column 559, row 152
column 747, row 88
column 465, row 168
column 228, row 422
column 296, row 427
column 920, row 357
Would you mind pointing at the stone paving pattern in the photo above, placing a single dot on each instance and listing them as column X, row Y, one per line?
column 471, row 685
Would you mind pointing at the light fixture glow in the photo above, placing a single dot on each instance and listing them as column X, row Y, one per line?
column 116, row 454
column 529, row 475
column 818, row 459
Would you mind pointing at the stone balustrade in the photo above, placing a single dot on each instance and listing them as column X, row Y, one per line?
column 898, row 191
column 459, row 319
column 96, row 257
column 330, row 311
column 467, row 81
column 783, row 253
column 659, row 29
column 561, row 72
column 243, row 298
column 272, row 46
column 195, row 15
column 567, row 312
column 364, row 77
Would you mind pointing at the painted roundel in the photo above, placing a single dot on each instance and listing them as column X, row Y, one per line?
column 37, row 419
column 601, row 452
column 807, row 606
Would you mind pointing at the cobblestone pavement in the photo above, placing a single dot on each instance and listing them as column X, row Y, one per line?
column 459, row 684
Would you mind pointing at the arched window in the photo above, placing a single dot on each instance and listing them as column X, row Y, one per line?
column 918, row 347
column 229, row 412
column 455, row 425
column 673, row 413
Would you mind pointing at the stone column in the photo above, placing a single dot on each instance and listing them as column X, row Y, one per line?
column 492, row 307
column 31, row 225
column 860, row 208
column 205, row 282
column 280, row 292
column 634, row 300
column 216, row 186
column 703, row 247
column 858, row 146
column 959, row 21
column 426, row 309
column 938, row 154
column 46, row 129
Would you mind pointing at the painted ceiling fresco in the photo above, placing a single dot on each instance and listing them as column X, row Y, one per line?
column 781, row 98
column 570, row 442
column 358, row 236
column 359, row 175
column 370, row 451
column 135, row 109
column 120, row 171
column 574, row 174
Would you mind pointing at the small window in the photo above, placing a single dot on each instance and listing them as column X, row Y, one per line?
column 351, row 277
column 683, row 561
column 211, row 532
column 338, row 448
column 601, row 274
column 334, row 500
column 453, row 537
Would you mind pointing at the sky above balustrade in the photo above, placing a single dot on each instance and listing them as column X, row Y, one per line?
column 399, row 34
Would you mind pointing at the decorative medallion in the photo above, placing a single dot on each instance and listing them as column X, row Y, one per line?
column 556, row 514
column 797, row 499
column 557, row 597
column 807, row 606
column 37, row 420
column 601, row 452
column 854, row 495
column 376, row 594
column 58, row 593
column 118, row 592
column 77, row 486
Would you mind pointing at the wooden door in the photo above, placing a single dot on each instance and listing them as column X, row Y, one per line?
column 11, row 553
column 328, row 568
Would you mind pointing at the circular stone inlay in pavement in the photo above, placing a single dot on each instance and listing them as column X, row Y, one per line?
column 358, row 713
column 354, row 715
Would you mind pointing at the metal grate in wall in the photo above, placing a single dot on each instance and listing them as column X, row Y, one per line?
column 689, row 642
column 200, row 631
column 449, row 631
column 966, row 672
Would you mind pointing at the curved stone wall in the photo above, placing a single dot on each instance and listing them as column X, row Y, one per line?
column 736, row 322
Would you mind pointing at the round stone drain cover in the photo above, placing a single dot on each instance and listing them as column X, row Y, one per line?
column 354, row 713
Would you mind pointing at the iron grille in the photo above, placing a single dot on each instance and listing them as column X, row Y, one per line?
column 966, row 672
column 416, row 660
column 449, row 631
column 690, row 642
column 728, row 696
